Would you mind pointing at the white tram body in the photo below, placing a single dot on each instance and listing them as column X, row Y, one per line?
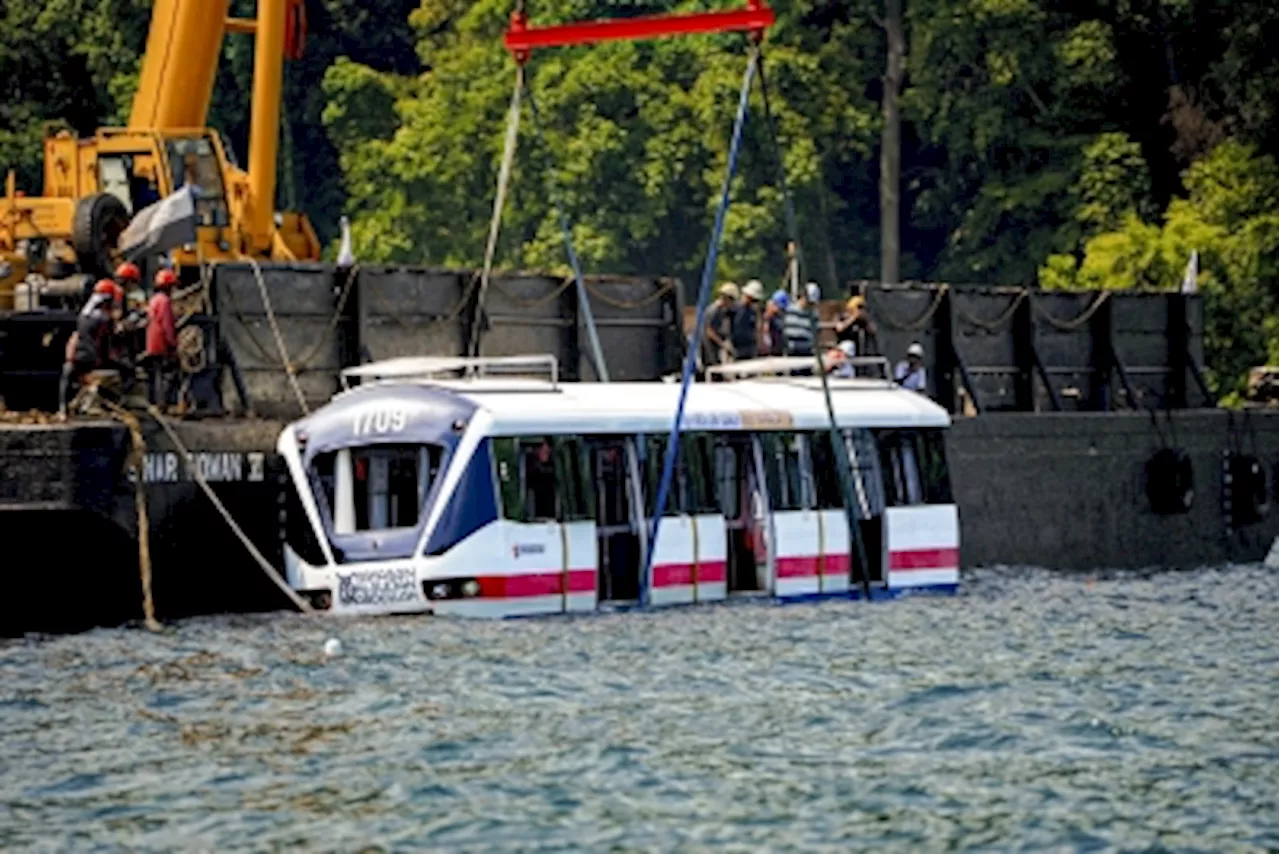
column 492, row 496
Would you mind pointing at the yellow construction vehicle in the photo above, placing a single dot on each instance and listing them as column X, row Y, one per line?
column 93, row 186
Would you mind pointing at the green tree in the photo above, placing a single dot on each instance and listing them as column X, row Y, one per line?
column 1230, row 218
column 636, row 144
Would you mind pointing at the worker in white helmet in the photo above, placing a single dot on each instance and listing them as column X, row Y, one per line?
column 746, row 324
column 910, row 373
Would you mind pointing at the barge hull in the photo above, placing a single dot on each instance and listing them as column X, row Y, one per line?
column 1062, row 491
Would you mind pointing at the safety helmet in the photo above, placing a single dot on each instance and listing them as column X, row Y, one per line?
column 780, row 299
column 128, row 271
column 847, row 348
column 166, row 279
column 729, row 289
column 916, row 350
column 812, row 292
column 106, row 287
column 754, row 289
column 856, row 302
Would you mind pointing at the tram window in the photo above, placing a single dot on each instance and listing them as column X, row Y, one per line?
column 931, row 451
column 900, row 463
column 389, row 484
column 868, row 482
column 542, row 478
column 506, row 458
column 784, row 455
column 696, row 454
column 728, row 469
column 573, row 474
column 826, row 471
column 864, row 466
column 654, row 457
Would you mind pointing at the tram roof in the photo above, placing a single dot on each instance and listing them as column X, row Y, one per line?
column 529, row 407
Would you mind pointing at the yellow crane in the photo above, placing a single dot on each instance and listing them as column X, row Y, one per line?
column 93, row 186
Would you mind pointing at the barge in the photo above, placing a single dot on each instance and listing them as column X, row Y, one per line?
column 1083, row 487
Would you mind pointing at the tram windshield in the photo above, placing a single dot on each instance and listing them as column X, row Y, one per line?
column 376, row 487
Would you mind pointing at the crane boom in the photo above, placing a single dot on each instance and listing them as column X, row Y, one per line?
column 175, row 85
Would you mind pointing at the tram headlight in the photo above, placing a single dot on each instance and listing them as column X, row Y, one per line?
column 470, row 588
column 440, row 591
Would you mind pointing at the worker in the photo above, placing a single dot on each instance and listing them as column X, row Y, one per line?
column 162, row 339
column 746, row 323
column 719, row 328
column 800, row 321
column 771, row 339
column 910, row 373
column 128, row 276
column 90, row 346
column 839, row 360
column 855, row 324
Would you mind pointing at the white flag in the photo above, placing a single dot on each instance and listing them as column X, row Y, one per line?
column 1191, row 274
column 162, row 226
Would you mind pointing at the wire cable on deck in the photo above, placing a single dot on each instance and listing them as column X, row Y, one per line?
column 695, row 340
column 499, row 200
column 289, row 369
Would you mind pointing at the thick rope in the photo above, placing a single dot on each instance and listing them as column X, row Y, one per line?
column 137, row 459
column 695, row 340
column 289, row 369
column 263, row 563
column 584, row 302
column 499, row 199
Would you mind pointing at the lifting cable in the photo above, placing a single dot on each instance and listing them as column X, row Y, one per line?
column 499, row 199
column 584, row 302
column 838, row 446
column 695, row 340
column 788, row 203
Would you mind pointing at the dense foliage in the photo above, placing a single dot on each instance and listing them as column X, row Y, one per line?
column 1088, row 144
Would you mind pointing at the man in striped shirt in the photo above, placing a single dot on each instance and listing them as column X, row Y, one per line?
column 799, row 321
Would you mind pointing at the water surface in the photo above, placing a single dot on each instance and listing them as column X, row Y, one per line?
column 1033, row 712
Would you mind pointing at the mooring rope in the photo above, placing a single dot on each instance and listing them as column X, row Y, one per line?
column 263, row 563
column 499, row 200
column 137, row 459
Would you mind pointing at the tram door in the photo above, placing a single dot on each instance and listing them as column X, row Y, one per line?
column 614, row 470
column 740, row 486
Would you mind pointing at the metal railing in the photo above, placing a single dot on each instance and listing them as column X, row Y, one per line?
column 415, row 368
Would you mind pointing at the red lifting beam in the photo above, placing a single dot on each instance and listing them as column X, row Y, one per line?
column 521, row 38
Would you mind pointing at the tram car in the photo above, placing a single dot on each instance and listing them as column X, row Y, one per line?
column 488, row 488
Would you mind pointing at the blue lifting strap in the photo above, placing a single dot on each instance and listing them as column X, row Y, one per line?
column 695, row 340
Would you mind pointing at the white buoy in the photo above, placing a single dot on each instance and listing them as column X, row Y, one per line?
column 332, row 647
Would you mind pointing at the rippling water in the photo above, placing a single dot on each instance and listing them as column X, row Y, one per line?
column 1034, row 711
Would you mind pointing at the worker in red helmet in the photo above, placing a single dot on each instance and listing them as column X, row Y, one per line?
column 128, row 275
column 162, row 338
column 89, row 348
